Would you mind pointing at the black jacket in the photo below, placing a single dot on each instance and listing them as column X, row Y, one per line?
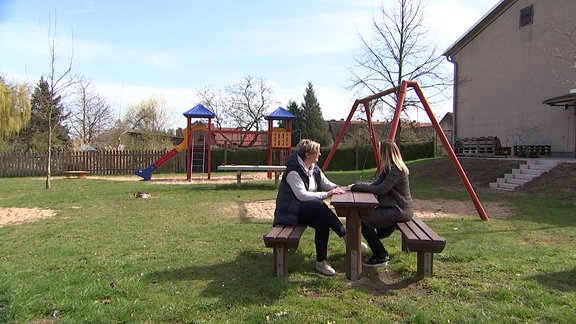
column 287, row 205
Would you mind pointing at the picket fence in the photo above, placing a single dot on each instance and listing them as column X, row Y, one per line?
column 107, row 162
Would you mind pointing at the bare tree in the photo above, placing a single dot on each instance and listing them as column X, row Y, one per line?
column 248, row 102
column 399, row 51
column 58, row 83
column 214, row 100
column 91, row 114
column 242, row 105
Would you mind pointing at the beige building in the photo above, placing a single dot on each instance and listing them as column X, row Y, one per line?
column 517, row 56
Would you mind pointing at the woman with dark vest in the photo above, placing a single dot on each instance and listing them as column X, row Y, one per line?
column 300, row 200
column 395, row 202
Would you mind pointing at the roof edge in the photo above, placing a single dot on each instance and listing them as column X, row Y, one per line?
column 478, row 27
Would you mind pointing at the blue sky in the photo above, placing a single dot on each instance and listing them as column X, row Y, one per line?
column 134, row 49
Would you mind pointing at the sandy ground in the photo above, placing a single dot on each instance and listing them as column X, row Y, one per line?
column 423, row 209
column 9, row 216
column 265, row 209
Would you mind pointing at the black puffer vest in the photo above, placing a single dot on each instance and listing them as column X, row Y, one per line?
column 287, row 205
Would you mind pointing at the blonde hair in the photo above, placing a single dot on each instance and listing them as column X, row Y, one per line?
column 390, row 155
column 307, row 146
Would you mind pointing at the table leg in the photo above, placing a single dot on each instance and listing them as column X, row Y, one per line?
column 238, row 178
column 353, row 251
column 276, row 179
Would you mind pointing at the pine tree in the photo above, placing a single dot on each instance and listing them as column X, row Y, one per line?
column 313, row 125
column 297, row 123
column 47, row 112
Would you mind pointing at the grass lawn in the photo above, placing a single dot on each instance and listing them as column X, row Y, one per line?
column 189, row 254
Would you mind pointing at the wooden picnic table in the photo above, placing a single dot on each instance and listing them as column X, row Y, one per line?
column 354, row 206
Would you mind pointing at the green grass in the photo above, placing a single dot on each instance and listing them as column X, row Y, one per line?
column 188, row 255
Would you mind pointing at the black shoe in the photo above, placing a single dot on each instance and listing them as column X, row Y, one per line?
column 385, row 232
column 376, row 262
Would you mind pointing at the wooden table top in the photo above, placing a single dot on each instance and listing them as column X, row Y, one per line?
column 355, row 199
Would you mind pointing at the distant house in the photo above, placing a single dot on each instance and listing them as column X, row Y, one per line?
column 510, row 62
column 447, row 125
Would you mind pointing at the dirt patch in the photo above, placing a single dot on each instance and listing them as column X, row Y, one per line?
column 181, row 179
column 9, row 216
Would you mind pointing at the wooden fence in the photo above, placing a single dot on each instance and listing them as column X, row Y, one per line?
column 109, row 162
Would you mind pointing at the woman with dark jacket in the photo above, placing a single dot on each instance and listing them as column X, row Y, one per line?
column 300, row 200
column 395, row 202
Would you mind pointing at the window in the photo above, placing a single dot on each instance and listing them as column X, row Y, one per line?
column 527, row 16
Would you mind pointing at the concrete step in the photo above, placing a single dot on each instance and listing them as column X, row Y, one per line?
column 511, row 179
column 507, row 186
column 543, row 167
column 525, row 170
column 524, row 174
column 517, row 175
column 543, row 162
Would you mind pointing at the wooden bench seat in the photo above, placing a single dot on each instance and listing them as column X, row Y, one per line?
column 277, row 169
column 418, row 237
column 281, row 238
column 79, row 174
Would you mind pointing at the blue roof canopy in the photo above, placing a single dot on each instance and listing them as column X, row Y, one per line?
column 280, row 113
column 199, row 111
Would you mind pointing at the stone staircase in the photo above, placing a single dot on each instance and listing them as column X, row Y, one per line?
column 526, row 172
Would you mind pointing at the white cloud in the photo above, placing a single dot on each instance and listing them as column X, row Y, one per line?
column 178, row 100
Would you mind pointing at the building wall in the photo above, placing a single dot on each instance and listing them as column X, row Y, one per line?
column 506, row 71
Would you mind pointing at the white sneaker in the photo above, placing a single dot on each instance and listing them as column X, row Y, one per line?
column 363, row 246
column 325, row 268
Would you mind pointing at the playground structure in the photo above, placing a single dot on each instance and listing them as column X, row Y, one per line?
column 281, row 139
column 401, row 90
column 199, row 138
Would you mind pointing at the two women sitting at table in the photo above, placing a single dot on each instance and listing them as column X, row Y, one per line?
column 300, row 200
column 304, row 187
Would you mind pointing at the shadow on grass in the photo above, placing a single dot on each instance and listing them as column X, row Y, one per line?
column 244, row 281
column 562, row 280
column 382, row 281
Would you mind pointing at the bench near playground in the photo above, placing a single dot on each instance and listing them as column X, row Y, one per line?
column 277, row 169
column 78, row 174
column 416, row 237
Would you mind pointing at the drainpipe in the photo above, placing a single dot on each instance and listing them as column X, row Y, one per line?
column 454, row 96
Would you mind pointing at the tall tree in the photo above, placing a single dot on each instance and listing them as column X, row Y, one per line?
column 148, row 121
column 47, row 115
column 90, row 113
column 314, row 125
column 399, row 51
column 58, row 80
column 148, row 116
column 297, row 123
column 14, row 109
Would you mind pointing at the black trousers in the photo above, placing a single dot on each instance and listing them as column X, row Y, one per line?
column 373, row 241
column 316, row 214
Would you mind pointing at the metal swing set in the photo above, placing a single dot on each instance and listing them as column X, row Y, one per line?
column 401, row 90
